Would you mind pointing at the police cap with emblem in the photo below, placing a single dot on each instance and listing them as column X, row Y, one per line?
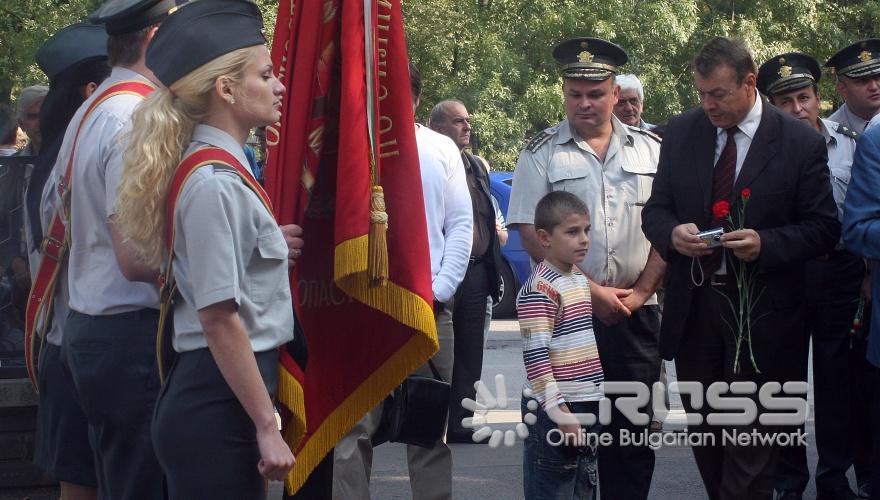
column 589, row 58
column 858, row 60
column 785, row 72
column 70, row 46
column 127, row 16
column 200, row 32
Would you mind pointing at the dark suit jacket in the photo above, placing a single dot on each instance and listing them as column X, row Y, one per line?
column 791, row 207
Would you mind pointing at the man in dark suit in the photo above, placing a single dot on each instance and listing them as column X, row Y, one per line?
column 710, row 154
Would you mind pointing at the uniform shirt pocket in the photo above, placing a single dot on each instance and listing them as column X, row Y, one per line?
column 267, row 270
column 644, row 179
column 565, row 174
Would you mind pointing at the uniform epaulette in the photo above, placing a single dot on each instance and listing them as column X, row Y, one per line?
column 537, row 141
column 847, row 131
column 647, row 132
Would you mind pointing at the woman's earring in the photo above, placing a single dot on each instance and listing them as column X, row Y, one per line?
column 231, row 100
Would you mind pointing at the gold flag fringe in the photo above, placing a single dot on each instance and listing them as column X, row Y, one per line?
column 290, row 394
column 403, row 305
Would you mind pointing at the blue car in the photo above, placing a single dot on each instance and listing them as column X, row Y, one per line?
column 516, row 266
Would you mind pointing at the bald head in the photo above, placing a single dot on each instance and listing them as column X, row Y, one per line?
column 451, row 118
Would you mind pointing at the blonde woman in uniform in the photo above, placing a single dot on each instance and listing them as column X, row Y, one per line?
column 214, row 429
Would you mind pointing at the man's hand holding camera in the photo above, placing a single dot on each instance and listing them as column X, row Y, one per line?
column 744, row 243
column 686, row 242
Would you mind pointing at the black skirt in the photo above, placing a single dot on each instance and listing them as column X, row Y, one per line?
column 205, row 441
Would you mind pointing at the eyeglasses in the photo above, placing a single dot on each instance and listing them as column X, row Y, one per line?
column 719, row 95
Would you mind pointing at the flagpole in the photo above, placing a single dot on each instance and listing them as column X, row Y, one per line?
column 370, row 72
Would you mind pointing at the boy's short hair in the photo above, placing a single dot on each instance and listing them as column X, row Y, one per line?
column 555, row 206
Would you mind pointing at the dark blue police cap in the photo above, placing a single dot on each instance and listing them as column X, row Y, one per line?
column 72, row 45
column 785, row 72
column 589, row 58
column 201, row 31
column 127, row 16
column 859, row 59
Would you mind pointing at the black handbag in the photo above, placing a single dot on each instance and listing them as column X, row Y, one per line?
column 415, row 412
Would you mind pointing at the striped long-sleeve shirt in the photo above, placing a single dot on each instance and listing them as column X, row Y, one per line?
column 559, row 348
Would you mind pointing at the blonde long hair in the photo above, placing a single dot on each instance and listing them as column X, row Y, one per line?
column 162, row 128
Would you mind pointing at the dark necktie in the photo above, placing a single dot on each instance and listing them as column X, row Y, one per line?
column 722, row 189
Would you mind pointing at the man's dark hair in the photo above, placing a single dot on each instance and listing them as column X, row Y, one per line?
column 773, row 95
column 721, row 50
column 555, row 206
column 415, row 81
column 8, row 126
column 125, row 49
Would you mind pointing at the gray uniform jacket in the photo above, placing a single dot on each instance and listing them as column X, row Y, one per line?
column 615, row 192
column 227, row 246
column 96, row 285
column 841, row 142
column 848, row 119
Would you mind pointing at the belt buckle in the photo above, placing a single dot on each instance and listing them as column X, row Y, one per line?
column 53, row 248
column 718, row 280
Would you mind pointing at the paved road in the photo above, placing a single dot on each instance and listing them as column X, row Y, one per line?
column 496, row 473
column 486, row 473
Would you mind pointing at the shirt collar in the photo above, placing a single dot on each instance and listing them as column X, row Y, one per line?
column 118, row 73
column 829, row 139
column 750, row 123
column 855, row 119
column 621, row 131
column 215, row 137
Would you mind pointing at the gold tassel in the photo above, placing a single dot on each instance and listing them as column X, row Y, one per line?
column 377, row 263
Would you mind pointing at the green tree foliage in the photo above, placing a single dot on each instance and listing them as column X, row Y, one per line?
column 495, row 54
column 26, row 24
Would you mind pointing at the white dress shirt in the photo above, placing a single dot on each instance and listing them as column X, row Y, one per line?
column 745, row 133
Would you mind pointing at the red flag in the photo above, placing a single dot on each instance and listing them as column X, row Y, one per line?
column 362, row 340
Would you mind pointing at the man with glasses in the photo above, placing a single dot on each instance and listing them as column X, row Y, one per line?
column 732, row 148
column 631, row 102
column 858, row 81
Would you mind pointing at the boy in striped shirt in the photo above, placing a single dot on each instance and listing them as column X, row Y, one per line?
column 560, row 355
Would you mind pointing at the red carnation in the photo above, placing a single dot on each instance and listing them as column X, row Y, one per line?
column 721, row 209
column 746, row 192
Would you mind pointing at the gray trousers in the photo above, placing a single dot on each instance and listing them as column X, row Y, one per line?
column 430, row 471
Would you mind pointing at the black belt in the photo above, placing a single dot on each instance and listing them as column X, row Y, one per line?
column 136, row 315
